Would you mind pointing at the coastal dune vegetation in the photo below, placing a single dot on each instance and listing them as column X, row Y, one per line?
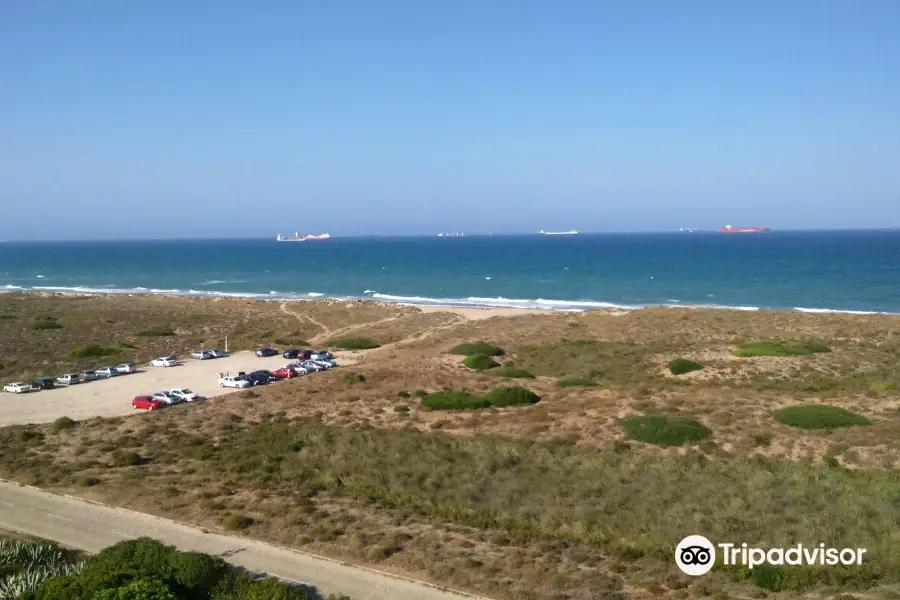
column 575, row 483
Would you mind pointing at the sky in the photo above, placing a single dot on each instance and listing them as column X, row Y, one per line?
column 233, row 119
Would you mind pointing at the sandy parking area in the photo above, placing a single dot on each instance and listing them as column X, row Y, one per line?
column 112, row 397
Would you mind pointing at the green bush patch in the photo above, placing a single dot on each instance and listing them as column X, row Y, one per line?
column 664, row 431
column 477, row 348
column 352, row 377
column 403, row 394
column 63, row 423
column 402, row 408
column 235, row 522
column 779, row 348
column 589, row 359
column 45, row 322
column 156, row 331
column 453, row 400
column 352, row 343
column 575, row 382
column 294, row 344
column 819, row 416
column 511, row 396
column 480, row 362
column 513, row 373
column 680, row 366
column 93, row 351
column 884, row 387
column 421, row 393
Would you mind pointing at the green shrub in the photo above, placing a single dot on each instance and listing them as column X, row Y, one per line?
column 884, row 387
column 661, row 430
column 156, row 331
column 779, row 348
column 93, row 351
column 421, row 393
column 352, row 343
column 351, row 378
column 575, row 382
column 45, row 322
column 511, row 396
column 403, row 394
column 402, row 408
column 480, row 362
column 453, row 400
column 819, row 416
column 477, row 348
column 235, row 522
column 127, row 459
column 63, row 423
column 680, row 366
column 513, row 373
column 294, row 344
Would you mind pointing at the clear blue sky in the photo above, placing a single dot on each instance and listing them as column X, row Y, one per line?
column 168, row 118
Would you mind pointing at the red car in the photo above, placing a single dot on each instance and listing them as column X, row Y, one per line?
column 146, row 402
column 284, row 373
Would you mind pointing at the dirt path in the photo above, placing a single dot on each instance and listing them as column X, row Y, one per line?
column 91, row 527
column 326, row 332
column 343, row 331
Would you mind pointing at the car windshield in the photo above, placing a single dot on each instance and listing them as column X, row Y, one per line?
column 186, row 391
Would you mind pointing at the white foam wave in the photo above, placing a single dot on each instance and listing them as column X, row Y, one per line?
column 315, row 294
column 837, row 312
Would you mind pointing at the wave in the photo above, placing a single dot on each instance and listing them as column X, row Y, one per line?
column 220, row 281
column 471, row 301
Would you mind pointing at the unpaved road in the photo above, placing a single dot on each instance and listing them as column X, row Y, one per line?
column 92, row 527
column 112, row 397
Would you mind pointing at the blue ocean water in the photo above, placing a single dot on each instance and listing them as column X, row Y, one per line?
column 817, row 271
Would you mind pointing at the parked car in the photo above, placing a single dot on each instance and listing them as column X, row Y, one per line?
column 298, row 368
column 166, row 398
column 106, row 372
column 325, row 363
column 216, row 353
column 42, row 383
column 290, row 353
column 88, row 375
column 202, row 354
column 126, row 368
column 256, row 378
column 312, row 365
column 18, row 388
column 321, row 355
column 164, row 361
column 68, row 379
column 234, row 381
column 146, row 402
column 184, row 394
column 265, row 352
column 269, row 375
column 285, row 373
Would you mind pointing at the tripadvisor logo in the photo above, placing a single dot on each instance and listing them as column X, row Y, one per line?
column 696, row 555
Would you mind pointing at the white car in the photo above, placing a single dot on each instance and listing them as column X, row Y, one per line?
column 184, row 394
column 235, row 382
column 126, row 368
column 321, row 355
column 164, row 361
column 103, row 372
column 18, row 388
column 202, row 354
column 68, row 379
column 298, row 368
column 325, row 362
column 166, row 398
column 88, row 375
column 312, row 365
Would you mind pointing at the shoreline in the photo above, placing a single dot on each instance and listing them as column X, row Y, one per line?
column 469, row 308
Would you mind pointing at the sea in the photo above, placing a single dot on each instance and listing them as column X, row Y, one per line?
column 809, row 271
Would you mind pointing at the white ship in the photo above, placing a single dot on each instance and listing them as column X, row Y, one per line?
column 572, row 232
column 302, row 238
column 443, row 234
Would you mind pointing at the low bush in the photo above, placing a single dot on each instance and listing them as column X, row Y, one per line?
column 680, row 366
column 513, row 373
column 294, row 344
column 156, row 331
column 352, row 377
column 575, row 382
column 402, row 408
column 421, row 393
column 352, row 343
column 403, row 394
column 45, row 322
column 93, row 351
column 235, row 522
column 884, row 387
column 63, row 423
column 664, row 431
column 127, row 459
column 819, row 416
column 477, row 348
column 779, row 348
column 454, row 400
column 511, row 396
column 480, row 362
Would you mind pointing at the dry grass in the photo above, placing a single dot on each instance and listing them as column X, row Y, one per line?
column 540, row 501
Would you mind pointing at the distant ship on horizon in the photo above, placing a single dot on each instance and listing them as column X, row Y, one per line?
column 443, row 234
column 302, row 238
column 731, row 229
column 571, row 232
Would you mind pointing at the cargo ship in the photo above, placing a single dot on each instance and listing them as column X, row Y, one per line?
column 572, row 232
column 732, row 229
column 302, row 238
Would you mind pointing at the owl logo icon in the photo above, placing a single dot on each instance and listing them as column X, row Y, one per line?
column 695, row 555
